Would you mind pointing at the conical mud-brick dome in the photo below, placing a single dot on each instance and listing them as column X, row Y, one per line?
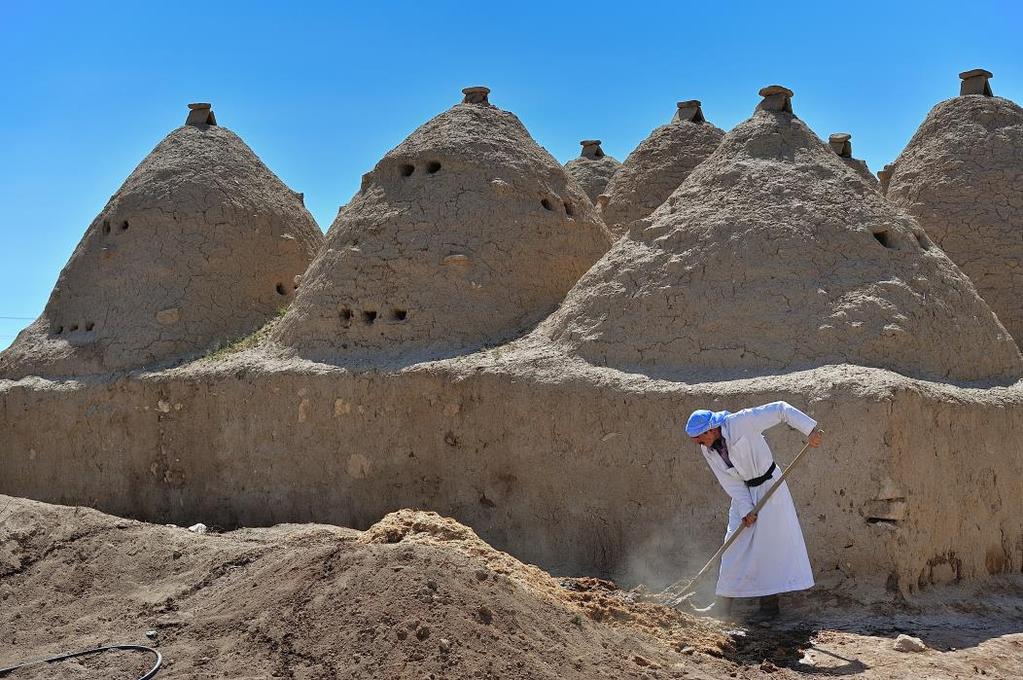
column 199, row 246
column 465, row 234
column 773, row 256
column 658, row 166
column 961, row 176
column 593, row 169
column 841, row 144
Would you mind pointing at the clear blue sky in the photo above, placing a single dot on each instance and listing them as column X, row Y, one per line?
column 322, row 90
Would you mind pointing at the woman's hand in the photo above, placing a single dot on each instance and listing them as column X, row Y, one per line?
column 749, row 519
column 815, row 438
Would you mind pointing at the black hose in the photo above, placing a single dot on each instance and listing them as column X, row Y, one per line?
column 93, row 650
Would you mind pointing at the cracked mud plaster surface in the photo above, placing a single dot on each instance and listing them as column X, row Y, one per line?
column 655, row 169
column 771, row 256
column 200, row 245
column 861, row 168
column 592, row 174
column 961, row 176
column 519, row 443
column 467, row 233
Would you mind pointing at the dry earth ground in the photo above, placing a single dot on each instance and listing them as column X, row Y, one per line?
column 420, row 596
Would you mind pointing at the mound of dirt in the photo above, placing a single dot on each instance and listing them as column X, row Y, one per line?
column 415, row 596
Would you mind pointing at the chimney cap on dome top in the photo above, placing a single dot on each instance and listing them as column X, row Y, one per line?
column 975, row 81
column 689, row 110
column 839, row 142
column 591, row 149
column 775, row 89
column 477, row 94
column 200, row 113
column 973, row 72
column 776, row 98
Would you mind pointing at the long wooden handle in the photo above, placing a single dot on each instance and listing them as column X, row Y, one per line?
column 684, row 584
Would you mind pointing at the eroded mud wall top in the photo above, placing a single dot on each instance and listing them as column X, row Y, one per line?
column 574, row 475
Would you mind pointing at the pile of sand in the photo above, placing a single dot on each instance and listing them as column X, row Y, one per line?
column 415, row 596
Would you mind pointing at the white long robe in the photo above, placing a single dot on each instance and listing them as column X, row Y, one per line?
column 770, row 556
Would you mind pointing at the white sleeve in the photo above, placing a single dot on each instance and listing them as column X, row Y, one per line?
column 734, row 488
column 763, row 417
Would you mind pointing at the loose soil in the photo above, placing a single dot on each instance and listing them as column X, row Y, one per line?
column 422, row 596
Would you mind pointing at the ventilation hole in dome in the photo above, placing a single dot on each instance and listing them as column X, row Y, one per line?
column 60, row 329
column 407, row 170
column 124, row 225
column 598, row 154
column 73, row 328
column 90, row 325
column 281, row 290
column 106, row 226
column 884, row 239
column 369, row 316
column 569, row 210
column 399, row 314
column 546, row 204
column 346, row 316
column 432, row 167
column 922, row 240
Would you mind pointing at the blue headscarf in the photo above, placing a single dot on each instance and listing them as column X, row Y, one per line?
column 702, row 420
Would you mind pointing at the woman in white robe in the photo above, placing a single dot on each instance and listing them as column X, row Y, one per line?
column 769, row 557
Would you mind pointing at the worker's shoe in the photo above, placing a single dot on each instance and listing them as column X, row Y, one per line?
column 724, row 608
column 769, row 609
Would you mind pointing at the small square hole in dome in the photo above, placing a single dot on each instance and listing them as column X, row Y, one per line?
column 884, row 238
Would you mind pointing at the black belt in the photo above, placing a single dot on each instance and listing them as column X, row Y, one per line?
column 757, row 481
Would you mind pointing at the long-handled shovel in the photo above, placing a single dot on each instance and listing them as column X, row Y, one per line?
column 681, row 590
